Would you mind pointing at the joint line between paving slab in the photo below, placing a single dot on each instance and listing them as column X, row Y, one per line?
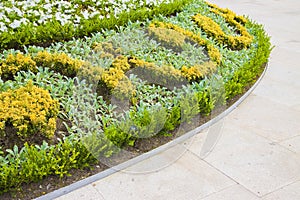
column 279, row 188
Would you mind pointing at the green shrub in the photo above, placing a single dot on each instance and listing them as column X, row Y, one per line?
column 32, row 163
column 247, row 74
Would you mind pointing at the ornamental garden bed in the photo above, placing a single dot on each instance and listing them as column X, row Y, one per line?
column 85, row 82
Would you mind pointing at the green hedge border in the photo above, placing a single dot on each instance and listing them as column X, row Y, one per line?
column 72, row 154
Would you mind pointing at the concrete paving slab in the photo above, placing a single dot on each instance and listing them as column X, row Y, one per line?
column 292, row 144
column 256, row 163
column 87, row 193
column 284, row 69
column 158, row 163
column 200, row 144
column 289, row 192
column 235, row 192
column 279, row 91
column 263, row 116
column 187, row 178
column 285, row 92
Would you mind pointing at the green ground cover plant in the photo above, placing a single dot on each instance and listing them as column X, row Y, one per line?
column 134, row 77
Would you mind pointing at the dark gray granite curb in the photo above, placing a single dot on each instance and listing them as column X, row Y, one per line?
column 110, row 171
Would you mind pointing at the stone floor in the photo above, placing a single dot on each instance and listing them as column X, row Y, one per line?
column 257, row 155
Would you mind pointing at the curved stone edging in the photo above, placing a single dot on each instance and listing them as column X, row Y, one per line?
column 124, row 165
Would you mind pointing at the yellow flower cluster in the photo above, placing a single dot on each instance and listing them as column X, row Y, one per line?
column 92, row 74
column 163, row 71
column 198, row 72
column 125, row 89
column 135, row 62
column 228, row 14
column 59, row 62
column 167, row 37
column 214, row 30
column 114, row 78
column 213, row 52
column 14, row 63
column 116, row 72
column 30, row 110
column 107, row 49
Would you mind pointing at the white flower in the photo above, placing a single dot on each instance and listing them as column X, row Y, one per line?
column 15, row 24
column 1, row 15
column 6, row 19
column 36, row 13
column 43, row 19
column 93, row 14
column 24, row 20
column 85, row 14
column 9, row 10
column 69, row 11
column 77, row 19
column 3, row 28
column 47, row 6
column 98, row 3
column 18, row 11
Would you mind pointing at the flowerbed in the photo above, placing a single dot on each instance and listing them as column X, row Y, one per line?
column 121, row 85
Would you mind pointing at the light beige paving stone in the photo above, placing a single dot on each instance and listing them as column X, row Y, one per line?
column 283, row 68
column 284, row 58
column 187, row 178
column 289, row 192
column 283, row 92
column 195, row 144
column 158, row 163
column 263, row 116
column 256, row 163
column 87, row 193
column 280, row 84
column 204, row 142
column 235, row 192
column 292, row 144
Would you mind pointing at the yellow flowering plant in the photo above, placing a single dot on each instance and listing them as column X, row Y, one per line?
column 14, row 63
column 213, row 52
column 59, row 62
column 212, row 29
column 30, row 110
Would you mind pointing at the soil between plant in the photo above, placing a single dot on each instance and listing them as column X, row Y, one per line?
column 53, row 182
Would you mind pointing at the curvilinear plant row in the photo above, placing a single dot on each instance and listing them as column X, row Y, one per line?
column 108, row 79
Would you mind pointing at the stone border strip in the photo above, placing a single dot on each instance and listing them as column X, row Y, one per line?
column 74, row 186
